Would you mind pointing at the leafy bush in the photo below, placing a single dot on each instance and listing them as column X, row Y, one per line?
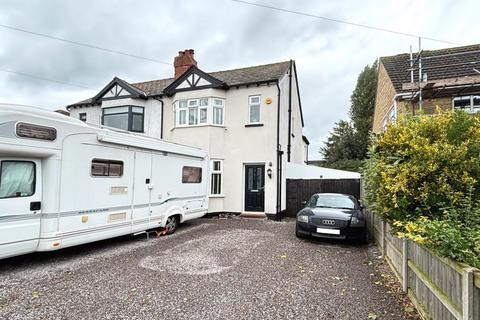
column 422, row 176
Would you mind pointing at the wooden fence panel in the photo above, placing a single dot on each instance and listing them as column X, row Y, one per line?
column 440, row 288
column 299, row 190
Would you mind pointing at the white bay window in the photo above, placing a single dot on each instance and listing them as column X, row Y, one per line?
column 203, row 111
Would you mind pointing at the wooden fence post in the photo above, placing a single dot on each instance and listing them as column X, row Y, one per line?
column 383, row 240
column 467, row 294
column 405, row 265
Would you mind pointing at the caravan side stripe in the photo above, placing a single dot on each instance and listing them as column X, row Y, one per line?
column 30, row 216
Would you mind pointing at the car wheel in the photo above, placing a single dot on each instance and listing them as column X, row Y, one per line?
column 171, row 224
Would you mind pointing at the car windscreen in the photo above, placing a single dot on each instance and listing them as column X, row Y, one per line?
column 332, row 201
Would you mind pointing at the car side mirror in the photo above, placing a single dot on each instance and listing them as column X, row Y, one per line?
column 361, row 205
column 304, row 203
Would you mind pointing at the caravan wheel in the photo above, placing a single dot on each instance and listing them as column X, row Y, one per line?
column 172, row 224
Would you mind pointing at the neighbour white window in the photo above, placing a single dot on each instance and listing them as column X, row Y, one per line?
column 216, row 181
column 390, row 117
column 254, row 109
column 199, row 112
column 469, row 104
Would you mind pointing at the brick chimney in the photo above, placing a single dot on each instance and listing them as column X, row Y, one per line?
column 183, row 61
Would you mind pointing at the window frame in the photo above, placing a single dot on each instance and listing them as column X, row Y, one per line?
column 129, row 114
column 107, row 161
column 217, row 172
column 390, row 116
column 82, row 116
column 34, row 182
column 471, row 109
column 194, row 108
column 250, row 105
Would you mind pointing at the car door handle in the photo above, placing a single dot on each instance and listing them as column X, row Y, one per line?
column 35, row 205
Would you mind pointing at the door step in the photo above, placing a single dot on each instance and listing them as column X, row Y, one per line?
column 257, row 215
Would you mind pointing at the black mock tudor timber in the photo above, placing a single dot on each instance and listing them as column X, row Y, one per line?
column 193, row 70
column 134, row 92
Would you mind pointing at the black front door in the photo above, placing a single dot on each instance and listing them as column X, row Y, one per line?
column 255, row 188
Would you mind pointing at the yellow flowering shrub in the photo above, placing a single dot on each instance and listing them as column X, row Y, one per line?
column 423, row 177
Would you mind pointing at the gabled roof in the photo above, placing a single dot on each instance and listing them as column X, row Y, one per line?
column 134, row 91
column 196, row 75
column 235, row 77
column 438, row 64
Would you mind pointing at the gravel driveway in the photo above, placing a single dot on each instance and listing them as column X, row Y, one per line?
column 209, row 269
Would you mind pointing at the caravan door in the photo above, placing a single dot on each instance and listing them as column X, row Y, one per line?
column 20, row 206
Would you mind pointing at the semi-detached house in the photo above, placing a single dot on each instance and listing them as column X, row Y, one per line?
column 249, row 120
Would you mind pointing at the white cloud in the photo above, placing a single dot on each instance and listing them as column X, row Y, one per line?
column 225, row 35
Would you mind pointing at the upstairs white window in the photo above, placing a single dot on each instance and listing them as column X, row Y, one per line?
column 254, row 109
column 182, row 113
column 82, row 116
column 202, row 111
column 469, row 104
column 218, row 111
column 216, row 181
column 192, row 112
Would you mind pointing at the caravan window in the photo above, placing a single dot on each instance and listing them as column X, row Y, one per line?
column 191, row 175
column 17, row 179
column 106, row 168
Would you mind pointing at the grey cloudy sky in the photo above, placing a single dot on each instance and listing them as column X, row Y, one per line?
column 225, row 35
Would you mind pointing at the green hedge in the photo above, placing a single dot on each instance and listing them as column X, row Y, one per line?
column 422, row 176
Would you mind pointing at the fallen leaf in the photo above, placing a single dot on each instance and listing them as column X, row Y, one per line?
column 372, row 316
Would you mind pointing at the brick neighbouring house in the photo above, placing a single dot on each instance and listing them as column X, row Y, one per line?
column 450, row 81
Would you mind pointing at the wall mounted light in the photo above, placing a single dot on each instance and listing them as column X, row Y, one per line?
column 269, row 172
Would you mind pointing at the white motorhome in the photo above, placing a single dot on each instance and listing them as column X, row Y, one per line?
column 64, row 182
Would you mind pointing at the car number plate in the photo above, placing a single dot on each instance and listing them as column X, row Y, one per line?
column 328, row 231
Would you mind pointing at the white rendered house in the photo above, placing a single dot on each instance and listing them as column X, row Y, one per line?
column 249, row 120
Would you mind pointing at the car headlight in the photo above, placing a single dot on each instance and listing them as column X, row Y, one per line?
column 302, row 218
column 356, row 222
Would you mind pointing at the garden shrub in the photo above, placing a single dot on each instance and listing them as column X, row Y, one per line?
column 423, row 175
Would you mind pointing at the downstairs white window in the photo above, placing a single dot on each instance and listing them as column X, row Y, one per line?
column 216, row 180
